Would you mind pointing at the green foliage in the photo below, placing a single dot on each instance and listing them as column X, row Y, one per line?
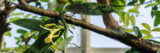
column 126, row 21
column 147, row 33
column 16, row 14
column 132, row 2
column 137, row 31
column 132, row 20
column 128, row 30
column 8, row 33
column 31, row 24
column 135, row 9
column 118, row 2
column 72, row 26
column 145, row 25
column 13, row 19
column 157, row 20
column 22, row 31
column 64, row 43
column 44, row 0
column 89, row 8
column 151, row 4
column 156, row 29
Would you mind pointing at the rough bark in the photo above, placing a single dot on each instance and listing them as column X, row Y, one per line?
column 142, row 45
column 3, row 18
column 108, row 19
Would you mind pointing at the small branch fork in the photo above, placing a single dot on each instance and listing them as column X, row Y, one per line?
column 142, row 45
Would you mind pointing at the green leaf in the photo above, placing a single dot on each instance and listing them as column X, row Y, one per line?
column 13, row 19
column 59, row 40
column 16, row 14
column 89, row 8
column 157, row 20
column 153, row 9
column 133, row 2
column 147, row 33
column 34, row 17
column 135, row 9
column 151, row 4
column 132, row 19
column 142, row 1
column 156, row 29
column 22, row 31
column 64, row 43
column 18, row 40
column 72, row 26
column 26, row 35
column 126, row 21
column 31, row 24
column 8, row 33
column 128, row 30
column 118, row 2
column 26, row 16
column 78, row 0
column 145, row 25
column 44, row 0
column 4, row 44
column 122, row 16
column 137, row 31
column 6, row 49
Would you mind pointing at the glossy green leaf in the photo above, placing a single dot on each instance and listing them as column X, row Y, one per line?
column 22, row 31
column 34, row 17
column 5, row 49
column 13, row 19
column 89, row 8
column 133, row 2
column 122, row 16
column 118, row 2
column 4, row 44
column 128, row 30
column 153, row 9
column 44, row 0
column 26, row 35
column 77, row 0
column 18, row 40
column 151, row 4
column 137, row 31
column 8, row 33
column 16, row 14
column 142, row 1
column 64, row 43
column 135, row 9
column 156, row 29
column 31, row 24
column 147, row 33
column 132, row 19
column 59, row 40
column 72, row 26
column 157, row 20
column 145, row 25
column 126, row 21
column 26, row 16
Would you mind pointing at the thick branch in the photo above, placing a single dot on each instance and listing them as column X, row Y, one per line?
column 139, row 43
column 108, row 19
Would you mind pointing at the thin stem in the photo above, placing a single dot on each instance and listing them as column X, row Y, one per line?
column 65, row 27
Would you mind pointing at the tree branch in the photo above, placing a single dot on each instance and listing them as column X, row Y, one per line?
column 3, row 17
column 139, row 43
